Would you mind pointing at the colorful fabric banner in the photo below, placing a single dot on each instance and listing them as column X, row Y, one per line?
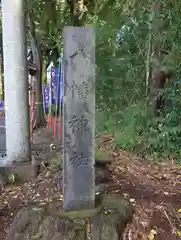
column 1, row 106
column 46, row 98
column 54, row 84
column 53, row 93
column 60, row 84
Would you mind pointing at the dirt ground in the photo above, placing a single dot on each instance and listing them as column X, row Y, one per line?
column 154, row 190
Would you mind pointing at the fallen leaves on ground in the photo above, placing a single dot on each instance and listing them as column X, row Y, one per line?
column 42, row 191
column 153, row 189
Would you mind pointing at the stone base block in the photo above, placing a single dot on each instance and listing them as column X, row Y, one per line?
column 104, row 222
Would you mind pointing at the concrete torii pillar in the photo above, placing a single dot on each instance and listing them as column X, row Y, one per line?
column 16, row 81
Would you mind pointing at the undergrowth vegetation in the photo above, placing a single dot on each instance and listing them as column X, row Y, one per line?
column 121, row 91
column 158, row 137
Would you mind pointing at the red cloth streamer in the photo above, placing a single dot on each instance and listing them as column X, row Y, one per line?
column 50, row 121
column 54, row 126
column 60, row 128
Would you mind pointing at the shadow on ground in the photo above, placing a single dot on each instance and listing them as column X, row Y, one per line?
column 154, row 191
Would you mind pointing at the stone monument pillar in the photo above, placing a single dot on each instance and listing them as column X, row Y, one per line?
column 79, row 118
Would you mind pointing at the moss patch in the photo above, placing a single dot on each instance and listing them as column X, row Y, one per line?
column 107, row 221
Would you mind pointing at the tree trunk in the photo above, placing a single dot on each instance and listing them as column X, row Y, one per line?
column 76, row 12
column 37, row 60
column 158, row 73
column 40, row 120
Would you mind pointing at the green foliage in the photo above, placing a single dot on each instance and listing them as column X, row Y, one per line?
column 123, row 29
column 164, row 133
column 56, row 163
column 100, row 154
column 156, row 137
column 12, row 178
column 121, row 79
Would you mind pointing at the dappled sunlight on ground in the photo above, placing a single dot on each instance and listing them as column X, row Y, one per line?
column 154, row 190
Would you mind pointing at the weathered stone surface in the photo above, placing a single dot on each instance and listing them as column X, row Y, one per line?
column 107, row 221
column 102, row 174
column 79, row 118
column 15, row 82
column 23, row 172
